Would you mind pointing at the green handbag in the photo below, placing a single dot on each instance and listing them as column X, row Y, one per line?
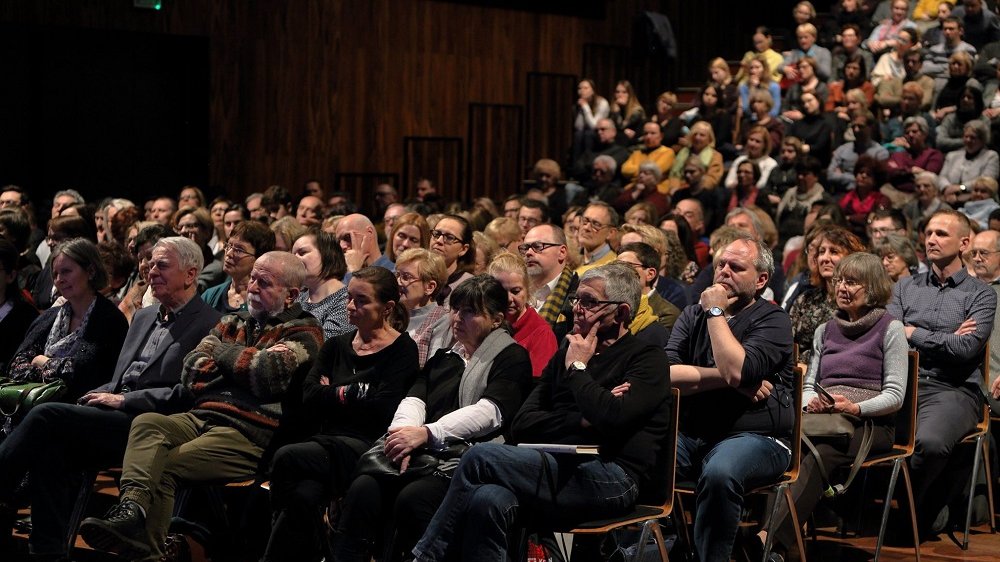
column 17, row 398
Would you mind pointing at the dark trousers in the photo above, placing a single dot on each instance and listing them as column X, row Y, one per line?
column 56, row 442
column 371, row 504
column 945, row 414
column 304, row 478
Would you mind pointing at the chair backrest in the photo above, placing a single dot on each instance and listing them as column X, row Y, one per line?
column 984, row 421
column 793, row 468
column 906, row 417
column 672, row 450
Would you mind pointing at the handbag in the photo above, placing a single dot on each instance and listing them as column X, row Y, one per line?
column 423, row 462
column 829, row 425
column 18, row 398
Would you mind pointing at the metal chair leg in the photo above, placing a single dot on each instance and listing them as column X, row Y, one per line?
column 989, row 482
column 79, row 508
column 885, row 509
column 972, row 490
column 643, row 537
column 769, row 541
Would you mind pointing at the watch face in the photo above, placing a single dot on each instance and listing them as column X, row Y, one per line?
column 715, row 311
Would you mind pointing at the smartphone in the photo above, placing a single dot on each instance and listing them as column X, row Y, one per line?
column 822, row 391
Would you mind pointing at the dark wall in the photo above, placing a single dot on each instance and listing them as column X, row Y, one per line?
column 353, row 90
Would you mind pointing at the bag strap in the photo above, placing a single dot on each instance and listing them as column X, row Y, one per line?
column 20, row 400
column 834, row 490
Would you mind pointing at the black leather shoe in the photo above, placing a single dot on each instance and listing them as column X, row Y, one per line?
column 122, row 531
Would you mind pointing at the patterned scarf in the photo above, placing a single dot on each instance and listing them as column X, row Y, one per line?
column 61, row 342
column 553, row 304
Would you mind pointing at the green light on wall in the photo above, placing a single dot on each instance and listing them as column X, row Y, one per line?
column 148, row 4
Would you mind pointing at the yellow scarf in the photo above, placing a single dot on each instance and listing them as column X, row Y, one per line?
column 643, row 317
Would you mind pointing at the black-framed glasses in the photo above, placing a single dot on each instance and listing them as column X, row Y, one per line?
column 448, row 237
column 537, row 247
column 590, row 303
column 236, row 251
column 584, row 221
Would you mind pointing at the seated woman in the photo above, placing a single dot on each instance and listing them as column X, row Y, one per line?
column 982, row 202
column 899, row 256
column 452, row 239
column 671, row 124
column 644, row 190
column 813, row 129
column 815, row 305
column 808, row 83
column 486, row 248
column 761, row 104
column 757, row 150
column 20, row 314
column 758, row 79
column 963, row 166
column 890, row 65
column 469, row 393
column 627, row 113
column 142, row 238
column 949, row 95
column 711, row 108
column 855, row 77
column 970, row 108
column 762, row 43
column 325, row 296
column 746, row 192
column 195, row 223
column 721, row 77
column 528, row 328
column 352, row 389
column 699, row 142
column 860, row 357
column 869, row 175
column 421, row 274
column 641, row 213
column 248, row 240
column 409, row 230
column 78, row 341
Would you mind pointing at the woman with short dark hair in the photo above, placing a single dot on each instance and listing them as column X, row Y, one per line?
column 325, row 295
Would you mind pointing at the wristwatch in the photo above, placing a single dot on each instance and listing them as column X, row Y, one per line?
column 715, row 311
column 577, row 366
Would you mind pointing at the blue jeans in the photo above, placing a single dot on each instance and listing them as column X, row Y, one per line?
column 724, row 471
column 493, row 482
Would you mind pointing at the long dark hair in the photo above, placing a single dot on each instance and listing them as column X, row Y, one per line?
column 387, row 290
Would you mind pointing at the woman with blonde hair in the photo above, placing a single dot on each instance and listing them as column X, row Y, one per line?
column 505, row 232
column 762, row 43
column 486, row 248
column 421, row 274
column 666, row 116
column 286, row 231
column 756, row 151
column 700, row 142
column 759, row 79
column 721, row 77
column 527, row 327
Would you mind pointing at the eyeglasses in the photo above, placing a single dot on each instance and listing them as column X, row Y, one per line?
column 448, row 237
column 983, row 253
column 590, row 303
column 537, row 247
column 405, row 277
column 847, row 281
column 633, row 264
column 236, row 251
column 584, row 221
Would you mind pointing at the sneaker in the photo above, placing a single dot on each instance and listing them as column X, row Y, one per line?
column 121, row 532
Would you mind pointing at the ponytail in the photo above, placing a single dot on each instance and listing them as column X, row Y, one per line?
column 399, row 317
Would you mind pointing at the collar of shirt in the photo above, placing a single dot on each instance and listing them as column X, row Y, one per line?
column 953, row 280
column 598, row 253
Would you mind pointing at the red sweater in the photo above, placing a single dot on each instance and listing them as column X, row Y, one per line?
column 535, row 335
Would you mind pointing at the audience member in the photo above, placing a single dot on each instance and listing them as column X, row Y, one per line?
column 249, row 240
column 16, row 314
column 421, row 274
column 323, row 293
column 527, row 328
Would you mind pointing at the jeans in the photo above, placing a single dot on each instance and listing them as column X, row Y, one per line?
column 724, row 471
column 494, row 482
column 56, row 442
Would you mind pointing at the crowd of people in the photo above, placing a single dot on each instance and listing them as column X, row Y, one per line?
column 839, row 199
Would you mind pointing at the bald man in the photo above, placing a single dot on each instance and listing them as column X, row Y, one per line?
column 236, row 377
column 359, row 241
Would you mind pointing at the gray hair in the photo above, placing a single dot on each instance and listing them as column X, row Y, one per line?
column 980, row 129
column 621, row 283
column 252, row 196
column 77, row 198
column 764, row 262
column 608, row 161
column 120, row 204
column 188, row 253
column 757, row 225
column 919, row 122
column 934, row 179
column 652, row 168
column 899, row 245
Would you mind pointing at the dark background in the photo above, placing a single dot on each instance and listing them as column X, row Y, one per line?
column 234, row 96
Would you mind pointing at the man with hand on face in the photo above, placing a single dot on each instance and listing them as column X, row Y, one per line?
column 237, row 378
column 604, row 388
column 56, row 442
column 731, row 357
column 359, row 242
column 948, row 317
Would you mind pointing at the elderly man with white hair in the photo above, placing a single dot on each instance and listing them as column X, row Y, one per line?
column 927, row 200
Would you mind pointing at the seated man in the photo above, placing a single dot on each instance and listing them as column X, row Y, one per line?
column 56, row 442
column 948, row 317
column 723, row 350
column 646, row 261
column 605, row 388
column 552, row 282
column 652, row 151
column 237, row 377
column 598, row 223
column 840, row 172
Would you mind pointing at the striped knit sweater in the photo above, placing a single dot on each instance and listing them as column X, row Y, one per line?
column 237, row 379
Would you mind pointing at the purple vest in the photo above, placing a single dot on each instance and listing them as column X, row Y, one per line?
column 854, row 361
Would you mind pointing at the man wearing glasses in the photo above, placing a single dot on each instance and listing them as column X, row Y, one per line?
column 597, row 224
column 731, row 357
column 948, row 317
column 985, row 255
column 544, row 251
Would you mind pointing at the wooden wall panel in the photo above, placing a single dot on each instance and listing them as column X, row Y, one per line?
column 493, row 161
column 313, row 87
column 550, row 115
column 438, row 159
column 606, row 65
